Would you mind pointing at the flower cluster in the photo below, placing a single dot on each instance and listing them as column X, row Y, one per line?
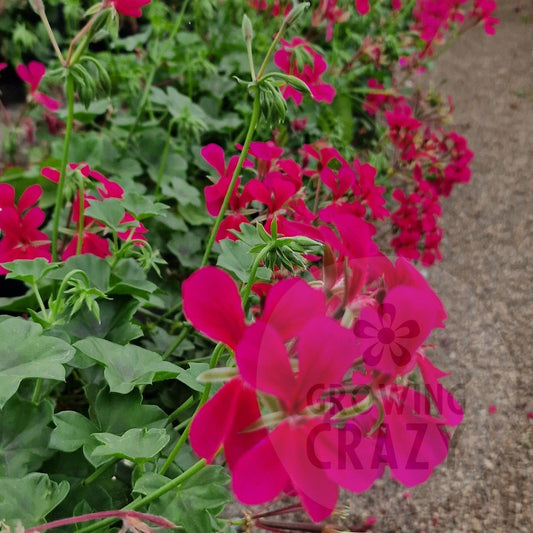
column 96, row 188
column 19, row 223
column 319, row 398
column 299, row 59
column 280, row 187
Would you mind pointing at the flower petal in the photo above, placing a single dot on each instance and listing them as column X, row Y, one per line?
column 211, row 302
column 263, row 361
column 291, row 304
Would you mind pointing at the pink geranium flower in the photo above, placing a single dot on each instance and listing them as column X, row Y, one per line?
column 92, row 242
column 20, row 237
column 311, row 74
column 32, row 75
column 130, row 8
column 362, row 6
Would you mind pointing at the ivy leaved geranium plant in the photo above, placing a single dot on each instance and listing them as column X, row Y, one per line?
column 196, row 285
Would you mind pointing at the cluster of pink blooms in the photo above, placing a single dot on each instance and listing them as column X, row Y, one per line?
column 281, row 187
column 98, row 190
column 19, row 223
column 436, row 161
column 434, row 17
column 310, row 73
column 319, row 398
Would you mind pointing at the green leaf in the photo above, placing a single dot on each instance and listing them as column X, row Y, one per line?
column 29, row 270
column 142, row 206
column 26, row 353
column 24, row 435
column 196, row 502
column 129, row 278
column 109, row 211
column 187, row 248
column 97, row 270
column 116, row 323
column 181, row 191
column 30, row 499
column 235, row 257
column 127, row 366
column 189, row 377
column 71, row 432
column 138, row 444
column 116, row 413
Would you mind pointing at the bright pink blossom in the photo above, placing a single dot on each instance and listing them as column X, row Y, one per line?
column 130, row 8
column 362, row 6
column 311, row 74
column 32, row 75
column 18, row 223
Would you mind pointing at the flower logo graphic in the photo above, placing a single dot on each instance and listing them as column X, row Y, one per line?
column 390, row 334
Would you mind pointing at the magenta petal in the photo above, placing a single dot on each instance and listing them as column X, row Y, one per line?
column 46, row 101
column 214, row 156
column 24, row 74
column 259, row 476
column 7, row 195
column 326, row 351
column 446, row 404
column 29, row 197
column 37, row 71
column 348, row 456
column 290, row 304
column 51, row 173
column 414, row 447
column 263, row 361
column 211, row 302
column 316, row 490
column 212, row 423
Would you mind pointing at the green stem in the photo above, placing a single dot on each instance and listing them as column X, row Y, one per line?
column 179, row 339
column 217, row 352
column 164, row 158
column 248, row 287
column 98, row 472
column 37, row 391
column 40, row 300
column 153, row 71
column 185, row 405
column 271, row 49
column 81, row 219
column 172, row 484
column 64, row 161
column 251, row 128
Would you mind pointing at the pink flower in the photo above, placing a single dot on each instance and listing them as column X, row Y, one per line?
column 328, row 11
column 482, row 11
column 32, row 75
column 311, row 74
column 130, row 8
column 492, row 409
column 362, row 6
column 106, row 188
column 20, row 237
column 301, row 452
column 3, row 66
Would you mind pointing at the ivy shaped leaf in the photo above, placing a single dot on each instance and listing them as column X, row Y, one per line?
column 24, row 436
column 138, row 444
column 26, row 353
column 71, row 432
column 127, row 366
column 31, row 498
